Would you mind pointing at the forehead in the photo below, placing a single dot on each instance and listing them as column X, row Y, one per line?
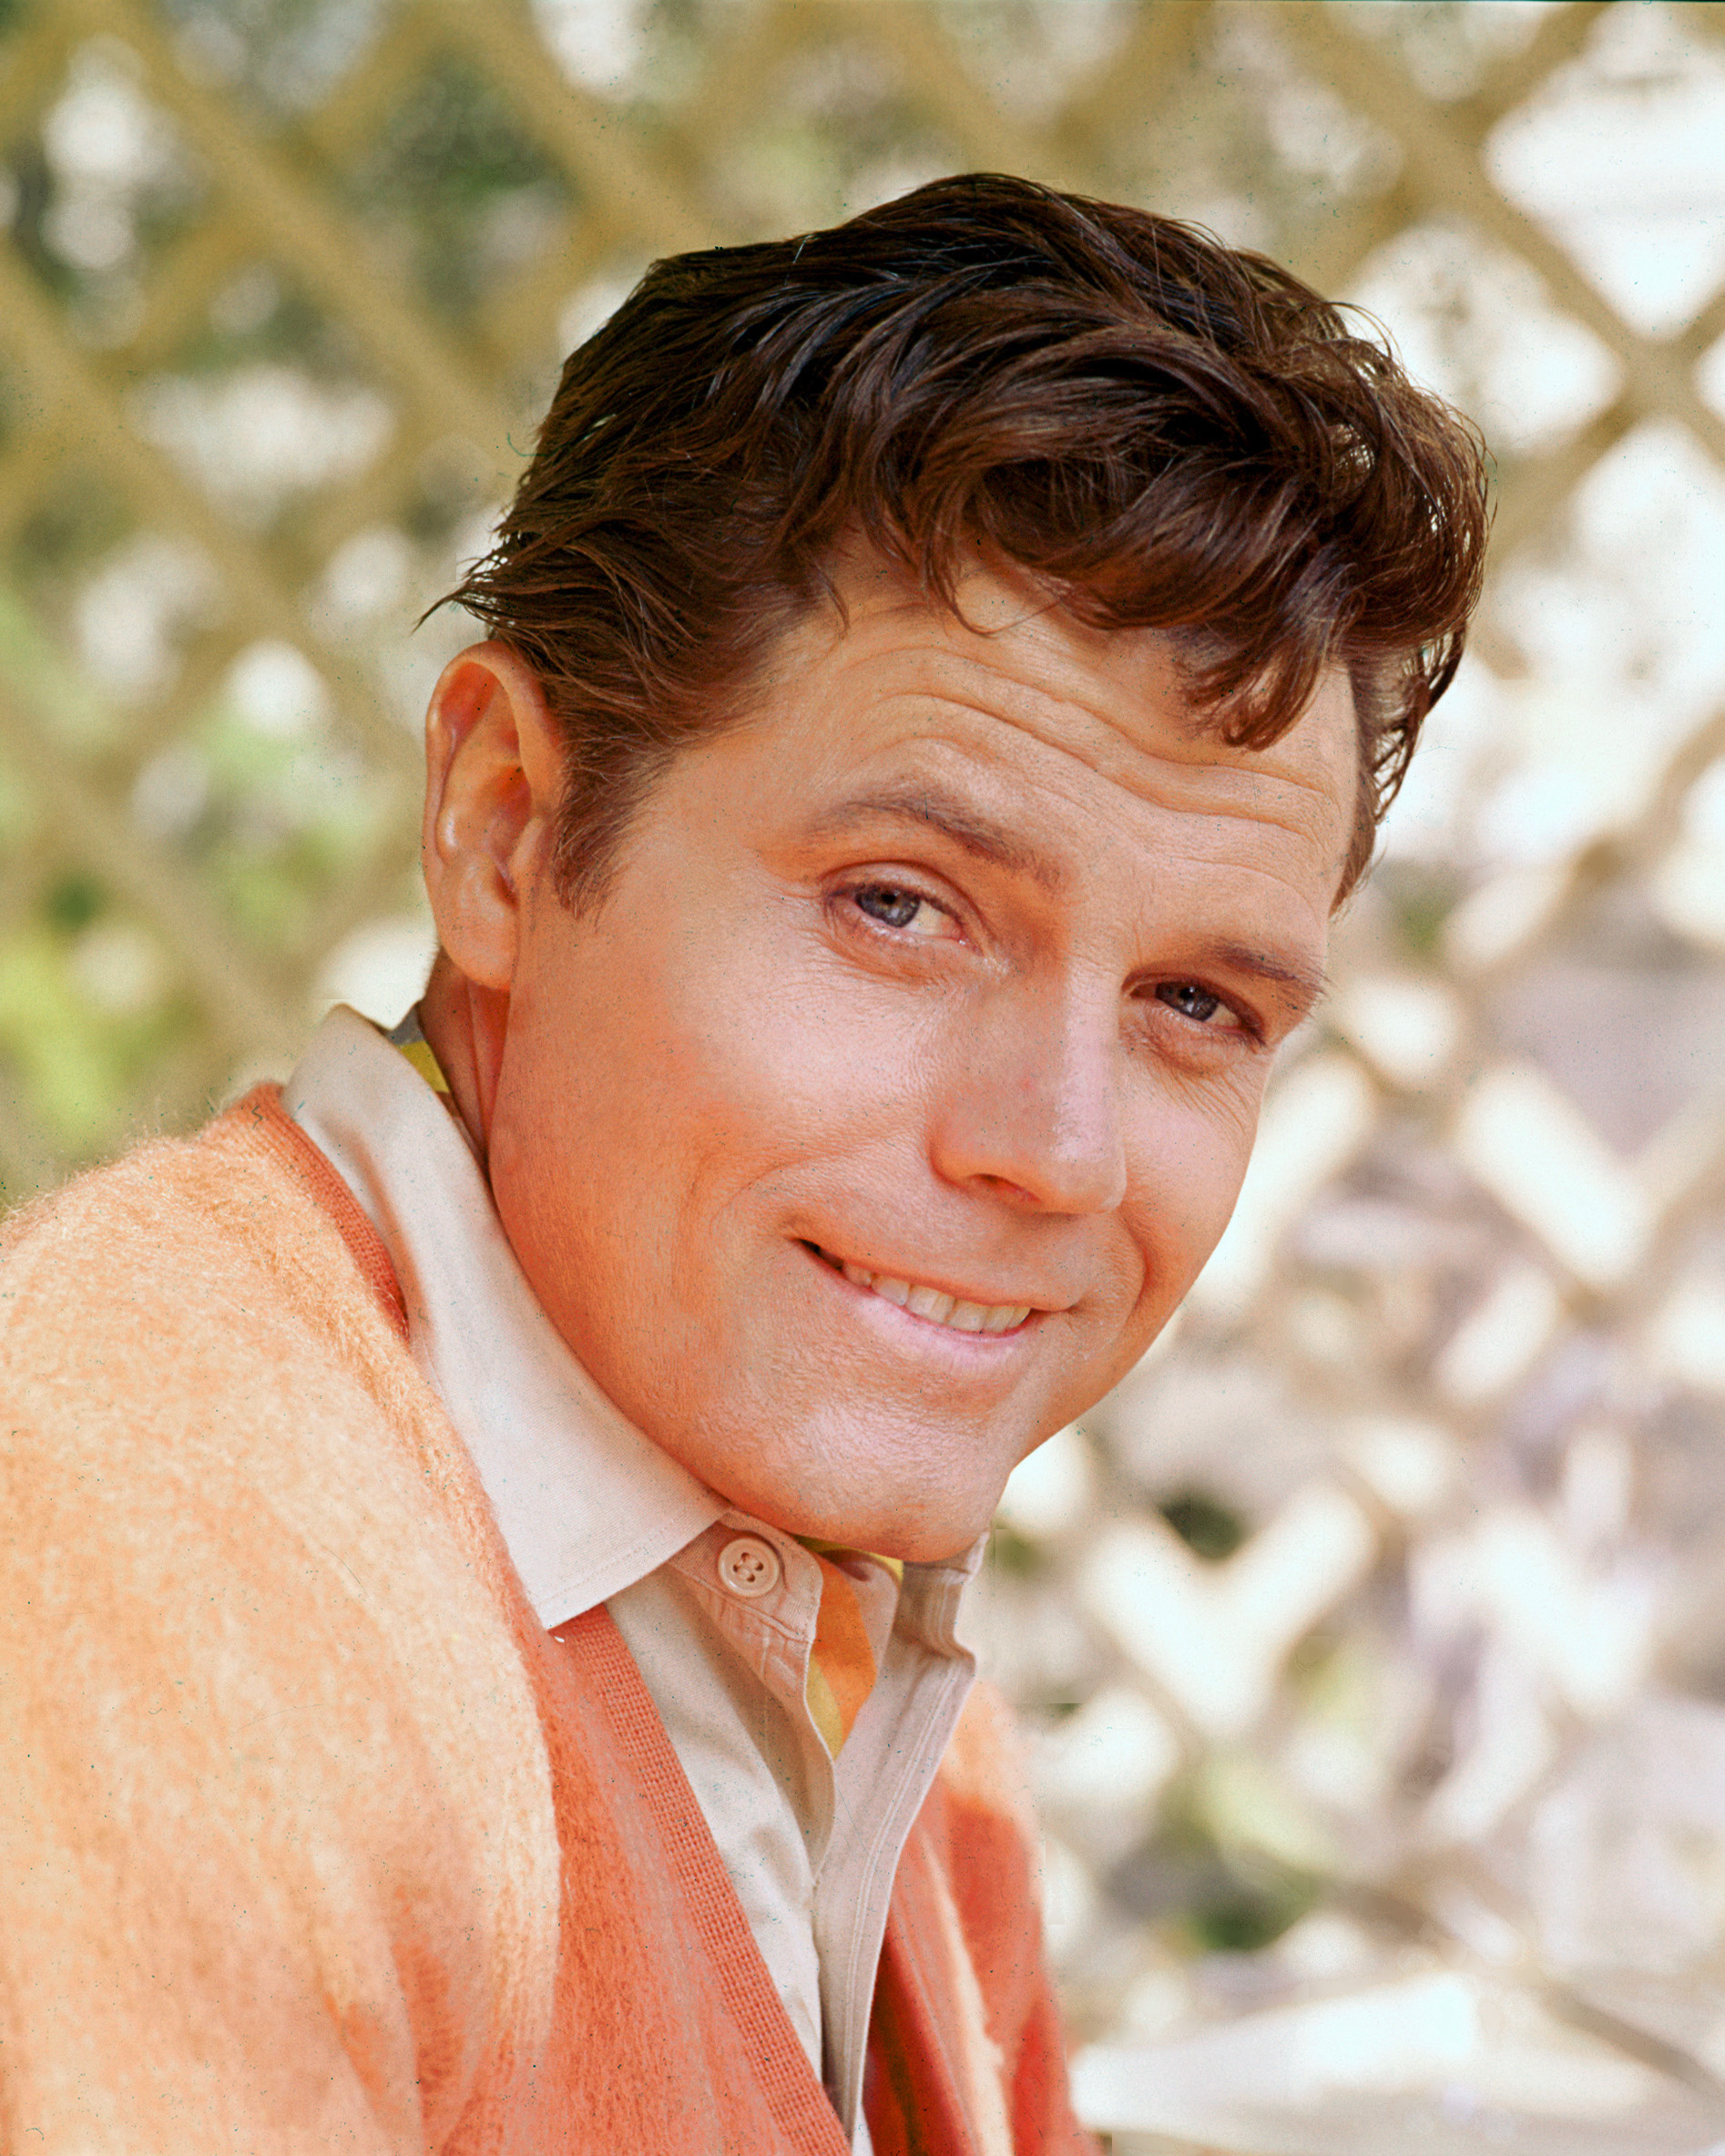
column 1010, row 693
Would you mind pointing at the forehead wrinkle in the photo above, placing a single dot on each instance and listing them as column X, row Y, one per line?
column 1036, row 653
column 989, row 684
column 1292, row 825
column 1237, row 777
column 1184, row 758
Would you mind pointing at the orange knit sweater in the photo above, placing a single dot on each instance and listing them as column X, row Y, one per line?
column 311, row 1838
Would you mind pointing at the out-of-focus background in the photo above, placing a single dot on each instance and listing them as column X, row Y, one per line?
column 1372, row 1638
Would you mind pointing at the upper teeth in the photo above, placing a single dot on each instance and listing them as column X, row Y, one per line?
column 944, row 1309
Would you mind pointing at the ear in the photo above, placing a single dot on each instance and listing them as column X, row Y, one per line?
column 493, row 780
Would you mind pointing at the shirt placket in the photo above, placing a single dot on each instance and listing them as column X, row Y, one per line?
column 882, row 1777
column 761, row 1591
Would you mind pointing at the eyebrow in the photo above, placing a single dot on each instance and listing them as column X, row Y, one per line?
column 1309, row 984
column 956, row 820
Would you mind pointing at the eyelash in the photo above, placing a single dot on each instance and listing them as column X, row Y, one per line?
column 856, row 893
column 1163, row 992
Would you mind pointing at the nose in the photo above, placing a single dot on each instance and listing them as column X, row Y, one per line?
column 1032, row 1107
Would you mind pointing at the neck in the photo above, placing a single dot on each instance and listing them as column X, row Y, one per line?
column 467, row 1026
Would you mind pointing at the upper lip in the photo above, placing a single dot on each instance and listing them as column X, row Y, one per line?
column 985, row 1299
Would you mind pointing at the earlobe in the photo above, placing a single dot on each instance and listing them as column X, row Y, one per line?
column 493, row 778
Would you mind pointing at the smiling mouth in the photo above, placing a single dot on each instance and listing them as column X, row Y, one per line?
column 928, row 1303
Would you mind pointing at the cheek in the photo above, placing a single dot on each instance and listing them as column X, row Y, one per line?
column 774, row 1056
column 1185, row 1176
column 719, row 1072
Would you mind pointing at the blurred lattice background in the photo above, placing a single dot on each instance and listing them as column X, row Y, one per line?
column 1374, row 1633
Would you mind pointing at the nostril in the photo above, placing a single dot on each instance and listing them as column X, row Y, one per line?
column 1007, row 1189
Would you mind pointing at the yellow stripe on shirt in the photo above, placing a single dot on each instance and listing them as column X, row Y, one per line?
column 419, row 1055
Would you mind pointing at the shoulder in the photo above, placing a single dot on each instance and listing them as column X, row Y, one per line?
column 255, row 1615
column 240, row 1229
column 197, row 1318
column 204, row 1400
column 191, row 1351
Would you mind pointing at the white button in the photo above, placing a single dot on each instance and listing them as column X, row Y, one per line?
column 749, row 1566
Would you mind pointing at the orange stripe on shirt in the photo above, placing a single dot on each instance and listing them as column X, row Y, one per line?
column 841, row 1670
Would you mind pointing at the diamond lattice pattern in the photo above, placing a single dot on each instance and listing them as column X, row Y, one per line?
column 1370, row 1637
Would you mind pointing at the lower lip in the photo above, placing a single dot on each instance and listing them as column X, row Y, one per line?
column 905, row 1329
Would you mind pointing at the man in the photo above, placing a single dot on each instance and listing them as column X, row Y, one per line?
column 485, row 1529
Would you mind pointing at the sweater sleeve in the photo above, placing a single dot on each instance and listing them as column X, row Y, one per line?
column 268, row 1775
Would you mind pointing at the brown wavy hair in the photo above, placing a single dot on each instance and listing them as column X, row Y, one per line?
column 1164, row 432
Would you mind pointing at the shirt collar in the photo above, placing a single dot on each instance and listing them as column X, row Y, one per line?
column 587, row 1504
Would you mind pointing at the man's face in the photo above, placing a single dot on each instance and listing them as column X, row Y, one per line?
column 906, row 1076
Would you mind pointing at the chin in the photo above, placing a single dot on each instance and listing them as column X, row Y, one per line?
column 920, row 1528
column 869, row 1473
column 930, row 1549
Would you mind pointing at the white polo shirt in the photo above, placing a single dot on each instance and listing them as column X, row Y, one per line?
column 717, row 1607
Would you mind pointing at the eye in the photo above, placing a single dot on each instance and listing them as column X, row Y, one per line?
column 1191, row 1001
column 908, row 912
